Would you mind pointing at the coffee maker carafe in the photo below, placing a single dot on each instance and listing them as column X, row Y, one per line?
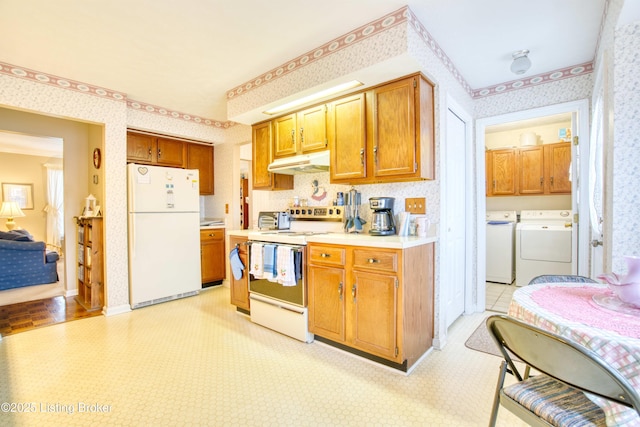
column 382, row 223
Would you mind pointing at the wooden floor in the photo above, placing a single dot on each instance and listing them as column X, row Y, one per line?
column 29, row 315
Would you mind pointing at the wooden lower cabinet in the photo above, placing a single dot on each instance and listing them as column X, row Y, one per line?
column 212, row 255
column 376, row 302
column 239, row 288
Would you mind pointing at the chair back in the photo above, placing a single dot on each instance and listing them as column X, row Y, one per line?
column 561, row 359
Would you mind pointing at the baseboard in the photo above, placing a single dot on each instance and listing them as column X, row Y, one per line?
column 120, row 309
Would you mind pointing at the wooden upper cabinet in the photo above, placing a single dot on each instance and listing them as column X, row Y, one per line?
column 394, row 129
column 284, row 136
column 531, row 170
column 501, row 173
column 262, row 145
column 535, row 170
column 171, row 152
column 346, row 132
column 140, row 148
column 301, row 132
column 154, row 150
column 558, row 163
column 201, row 157
column 312, row 129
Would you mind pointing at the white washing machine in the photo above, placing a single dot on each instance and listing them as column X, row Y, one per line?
column 543, row 244
column 500, row 246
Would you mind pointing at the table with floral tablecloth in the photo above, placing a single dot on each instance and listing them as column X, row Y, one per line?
column 570, row 310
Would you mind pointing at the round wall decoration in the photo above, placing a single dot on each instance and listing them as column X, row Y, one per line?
column 97, row 158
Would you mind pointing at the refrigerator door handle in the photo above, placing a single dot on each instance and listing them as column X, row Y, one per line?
column 132, row 240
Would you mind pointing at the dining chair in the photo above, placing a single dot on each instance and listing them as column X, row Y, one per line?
column 560, row 278
column 554, row 396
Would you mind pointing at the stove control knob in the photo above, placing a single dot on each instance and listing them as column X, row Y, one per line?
column 330, row 211
column 337, row 211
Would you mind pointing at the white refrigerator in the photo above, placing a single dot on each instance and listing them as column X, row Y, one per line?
column 164, row 234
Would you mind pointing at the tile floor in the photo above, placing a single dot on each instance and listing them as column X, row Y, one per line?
column 197, row 362
column 498, row 296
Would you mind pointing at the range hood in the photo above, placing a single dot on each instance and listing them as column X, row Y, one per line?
column 303, row 163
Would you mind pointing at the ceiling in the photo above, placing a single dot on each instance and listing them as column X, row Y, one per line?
column 185, row 55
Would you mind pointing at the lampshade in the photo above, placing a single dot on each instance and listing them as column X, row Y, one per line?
column 10, row 210
column 521, row 62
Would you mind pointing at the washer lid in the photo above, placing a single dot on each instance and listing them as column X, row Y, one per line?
column 509, row 216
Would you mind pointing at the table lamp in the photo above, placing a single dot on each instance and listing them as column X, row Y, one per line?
column 10, row 210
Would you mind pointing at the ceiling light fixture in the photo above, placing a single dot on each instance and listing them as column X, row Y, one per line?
column 521, row 62
column 314, row 96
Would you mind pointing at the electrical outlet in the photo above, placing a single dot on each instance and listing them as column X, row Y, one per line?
column 415, row 205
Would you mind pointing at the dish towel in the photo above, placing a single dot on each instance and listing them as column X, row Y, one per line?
column 269, row 263
column 298, row 264
column 256, row 261
column 286, row 267
column 236, row 264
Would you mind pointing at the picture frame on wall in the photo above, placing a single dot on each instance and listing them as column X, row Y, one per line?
column 20, row 193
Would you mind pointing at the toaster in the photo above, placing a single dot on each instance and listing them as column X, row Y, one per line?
column 274, row 221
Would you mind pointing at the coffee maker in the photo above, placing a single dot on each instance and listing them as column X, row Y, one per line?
column 382, row 223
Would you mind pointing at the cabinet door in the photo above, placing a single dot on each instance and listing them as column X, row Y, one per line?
column 326, row 287
column 374, row 298
column 394, row 129
column 261, row 155
column 558, row 159
column 141, row 148
column 201, row 157
column 284, row 136
column 531, row 170
column 347, row 138
column 212, row 255
column 239, row 289
column 312, row 129
column 502, row 166
column 171, row 152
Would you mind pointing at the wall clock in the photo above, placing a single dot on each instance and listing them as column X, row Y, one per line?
column 96, row 158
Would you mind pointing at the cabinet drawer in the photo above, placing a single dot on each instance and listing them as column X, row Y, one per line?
column 327, row 255
column 376, row 260
column 212, row 234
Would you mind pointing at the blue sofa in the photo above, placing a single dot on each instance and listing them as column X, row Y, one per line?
column 25, row 263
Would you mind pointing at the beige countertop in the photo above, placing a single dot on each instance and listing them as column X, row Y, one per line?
column 211, row 227
column 395, row 242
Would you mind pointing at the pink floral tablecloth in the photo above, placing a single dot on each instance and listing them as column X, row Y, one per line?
column 568, row 309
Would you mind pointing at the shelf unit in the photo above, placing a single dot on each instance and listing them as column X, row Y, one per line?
column 90, row 262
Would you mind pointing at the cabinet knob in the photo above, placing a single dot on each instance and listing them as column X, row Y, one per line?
column 325, row 255
column 373, row 261
column 340, row 291
column 301, row 134
column 362, row 156
column 353, row 292
column 159, row 153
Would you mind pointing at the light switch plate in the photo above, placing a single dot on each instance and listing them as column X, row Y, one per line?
column 415, row 205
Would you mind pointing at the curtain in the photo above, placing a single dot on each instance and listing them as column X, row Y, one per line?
column 55, row 205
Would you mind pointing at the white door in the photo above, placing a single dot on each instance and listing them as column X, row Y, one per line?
column 452, row 281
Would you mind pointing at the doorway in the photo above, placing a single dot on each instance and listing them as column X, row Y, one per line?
column 578, row 113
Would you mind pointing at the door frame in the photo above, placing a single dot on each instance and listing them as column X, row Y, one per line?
column 469, row 306
column 581, row 108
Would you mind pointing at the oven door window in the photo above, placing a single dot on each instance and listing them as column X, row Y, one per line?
column 290, row 294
